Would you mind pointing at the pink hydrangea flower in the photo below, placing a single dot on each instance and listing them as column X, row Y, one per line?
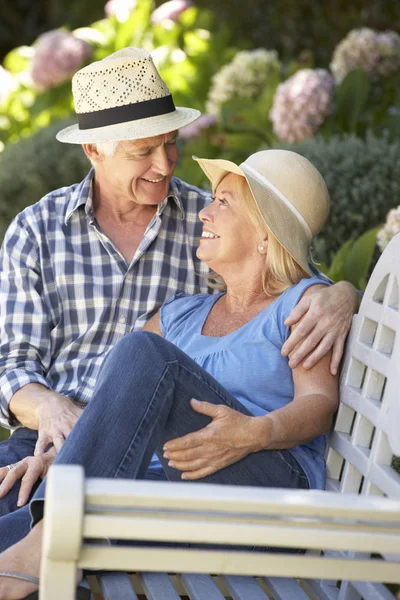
column 169, row 10
column 7, row 84
column 122, row 9
column 301, row 104
column 196, row 128
column 58, row 55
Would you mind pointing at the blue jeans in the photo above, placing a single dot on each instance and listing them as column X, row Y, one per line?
column 141, row 400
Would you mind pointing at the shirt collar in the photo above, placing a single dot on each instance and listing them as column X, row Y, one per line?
column 83, row 196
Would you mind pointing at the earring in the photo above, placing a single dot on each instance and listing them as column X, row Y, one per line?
column 260, row 248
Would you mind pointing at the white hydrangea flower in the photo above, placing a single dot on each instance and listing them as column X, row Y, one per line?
column 7, row 84
column 390, row 228
column 301, row 104
column 377, row 53
column 244, row 77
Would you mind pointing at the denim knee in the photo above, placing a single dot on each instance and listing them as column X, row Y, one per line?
column 143, row 345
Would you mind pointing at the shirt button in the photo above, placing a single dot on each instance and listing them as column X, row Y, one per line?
column 122, row 319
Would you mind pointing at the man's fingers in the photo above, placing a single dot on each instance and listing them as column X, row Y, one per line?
column 12, row 477
column 302, row 331
column 298, row 311
column 28, row 481
column 323, row 348
column 58, row 440
column 337, row 354
column 305, row 348
column 43, row 441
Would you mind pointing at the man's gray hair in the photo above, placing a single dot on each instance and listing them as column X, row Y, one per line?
column 106, row 149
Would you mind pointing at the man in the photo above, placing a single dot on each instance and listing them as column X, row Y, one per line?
column 89, row 263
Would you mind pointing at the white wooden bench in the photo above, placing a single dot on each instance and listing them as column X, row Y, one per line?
column 351, row 531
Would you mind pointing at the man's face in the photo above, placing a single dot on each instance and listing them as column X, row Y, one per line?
column 140, row 170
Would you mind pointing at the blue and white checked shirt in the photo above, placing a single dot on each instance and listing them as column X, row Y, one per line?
column 67, row 295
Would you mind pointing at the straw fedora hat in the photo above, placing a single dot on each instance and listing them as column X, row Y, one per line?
column 123, row 97
column 290, row 193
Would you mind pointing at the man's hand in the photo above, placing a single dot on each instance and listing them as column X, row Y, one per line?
column 51, row 414
column 28, row 470
column 56, row 417
column 324, row 317
column 228, row 438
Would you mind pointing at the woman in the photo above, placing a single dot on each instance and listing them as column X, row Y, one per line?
column 253, row 421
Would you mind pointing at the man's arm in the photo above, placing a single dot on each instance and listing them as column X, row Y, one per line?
column 323, row 317
column 25, row 328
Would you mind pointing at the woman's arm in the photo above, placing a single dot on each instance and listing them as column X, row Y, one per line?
column 308, row 415
column 153, row 324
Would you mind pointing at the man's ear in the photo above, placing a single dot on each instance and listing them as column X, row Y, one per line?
column 92, row 153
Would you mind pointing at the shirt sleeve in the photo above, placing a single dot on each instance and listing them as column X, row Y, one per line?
column 24, row 318
column 178, row 313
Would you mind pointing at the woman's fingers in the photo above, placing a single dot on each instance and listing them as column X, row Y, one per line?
column 189, row 465
column 190, row 454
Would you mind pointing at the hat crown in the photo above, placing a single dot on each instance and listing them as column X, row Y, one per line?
column 297, row 180
column 126, row 77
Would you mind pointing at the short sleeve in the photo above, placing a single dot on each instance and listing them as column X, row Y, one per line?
column 290, row 298
column 180, row 313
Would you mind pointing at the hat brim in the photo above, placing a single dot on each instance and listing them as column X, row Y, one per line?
column 132, row 130
column 217, row 169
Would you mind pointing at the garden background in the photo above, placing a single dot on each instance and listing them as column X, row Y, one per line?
column 321, row 78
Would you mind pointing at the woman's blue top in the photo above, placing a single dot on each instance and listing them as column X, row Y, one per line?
column 248, row 361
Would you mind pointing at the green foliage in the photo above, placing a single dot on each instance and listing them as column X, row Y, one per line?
column 363, row 178
column 4, row 434
column 33, row 167
column 352, row 262
column 187, row 54
column 293, row 26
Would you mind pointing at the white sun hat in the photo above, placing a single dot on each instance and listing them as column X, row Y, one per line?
column 290, row 194
column 123, row 97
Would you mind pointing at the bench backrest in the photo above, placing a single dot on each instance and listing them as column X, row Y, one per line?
column 367, row 430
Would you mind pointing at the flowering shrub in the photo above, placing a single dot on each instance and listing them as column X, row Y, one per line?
column 244, row 77
column 169, row 11
column 120, row 8
column 7, row 84
column 197, row 127
column 58, row 55
column 390, row 228
column 301, row 104
column 377, row 53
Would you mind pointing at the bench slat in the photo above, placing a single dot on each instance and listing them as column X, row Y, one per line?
column 116, row 585
column 243, row 588
column 372, row 591
column 286, row 589
column 201, row 587
column 158, row 586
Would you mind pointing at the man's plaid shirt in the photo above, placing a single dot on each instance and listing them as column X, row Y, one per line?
column 67, row 295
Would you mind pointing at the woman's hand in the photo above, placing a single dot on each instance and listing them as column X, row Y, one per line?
column 29, row 470
column 228, row 438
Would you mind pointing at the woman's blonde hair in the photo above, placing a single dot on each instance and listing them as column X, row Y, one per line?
column 280, row 270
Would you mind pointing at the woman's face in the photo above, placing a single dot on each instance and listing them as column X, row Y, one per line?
column 229, row 239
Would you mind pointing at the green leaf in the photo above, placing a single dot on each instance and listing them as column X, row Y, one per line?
column 336, row 270
column 352, row 98
column 359, row 258
column 18, row 59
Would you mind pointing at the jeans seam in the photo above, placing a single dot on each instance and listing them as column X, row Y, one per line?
column 299, row 473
